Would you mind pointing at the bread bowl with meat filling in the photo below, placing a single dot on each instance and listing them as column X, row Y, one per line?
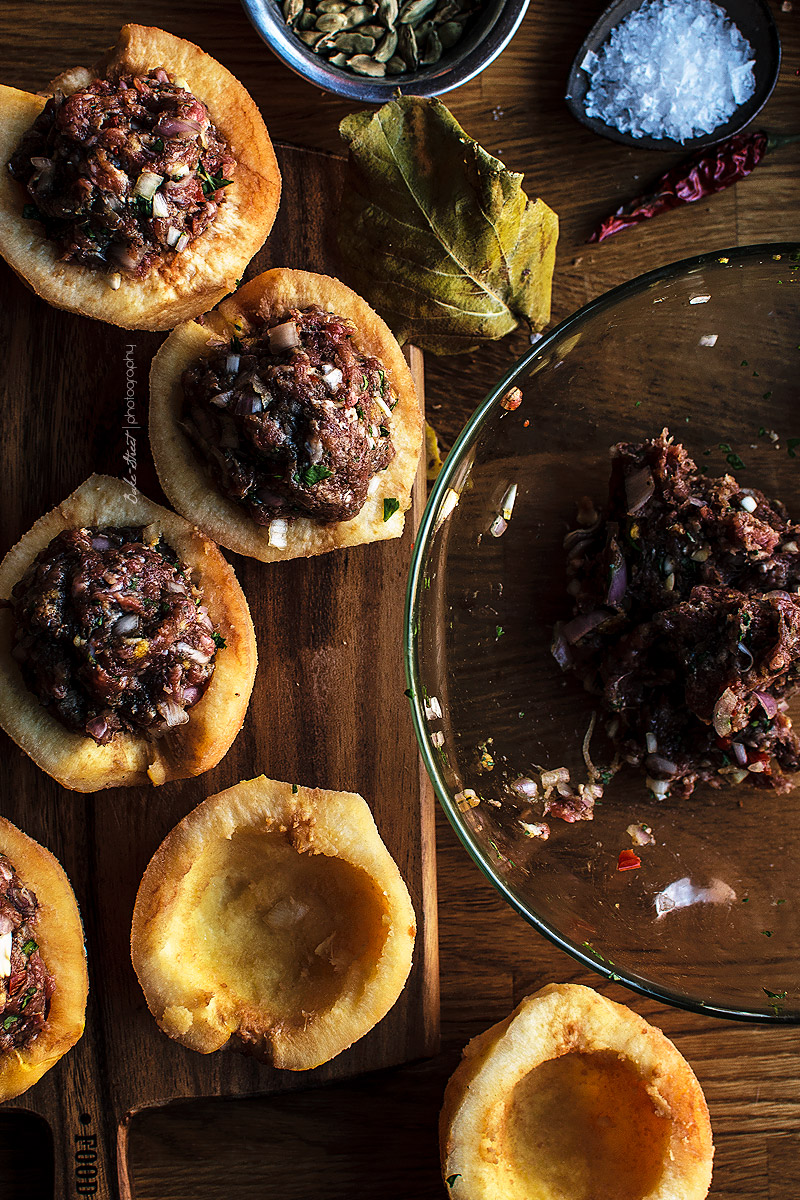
column 573, row 1095
column 287, row 423
column 137, row 191
column 127, row 652
column 43, row 980
column 273, row 919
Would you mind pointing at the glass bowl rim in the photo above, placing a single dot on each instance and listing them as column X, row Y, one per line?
column 422, row 542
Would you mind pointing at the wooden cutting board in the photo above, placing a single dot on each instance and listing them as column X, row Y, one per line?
column 327, row 710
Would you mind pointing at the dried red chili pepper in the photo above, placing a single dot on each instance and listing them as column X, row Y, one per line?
column 628, row 861
column 708, row 171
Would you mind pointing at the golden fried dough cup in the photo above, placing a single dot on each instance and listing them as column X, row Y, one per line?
column 574, row 1096
column 273, row 918
column 59, row 938
column 76, row 760
column 187, row 283
column 184, row 477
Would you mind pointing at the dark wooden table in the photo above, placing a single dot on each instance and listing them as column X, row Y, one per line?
column 376, row 1137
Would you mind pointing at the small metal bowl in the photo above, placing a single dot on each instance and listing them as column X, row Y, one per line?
column 485, row 37
column 755, row 23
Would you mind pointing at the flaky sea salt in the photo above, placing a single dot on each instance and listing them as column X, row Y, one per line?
column 671, row 68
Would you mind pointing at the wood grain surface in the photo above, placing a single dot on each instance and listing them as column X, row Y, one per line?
column 327, row 710
column 375, row 1137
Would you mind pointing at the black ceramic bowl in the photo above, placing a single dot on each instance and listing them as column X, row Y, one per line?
column 753, row 20
column 484, row 38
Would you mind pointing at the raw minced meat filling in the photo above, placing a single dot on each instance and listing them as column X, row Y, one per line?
column 686, row 622
column 111, row 634
column 26, row 987
column 123, row 173
column 291, row 419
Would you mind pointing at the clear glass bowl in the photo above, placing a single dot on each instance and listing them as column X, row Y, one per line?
column 710, row 348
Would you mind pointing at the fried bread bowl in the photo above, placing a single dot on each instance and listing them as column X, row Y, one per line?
column 182, row 474
column 59, row 934
column 183, row 285
column 77, row 761
column 274, row 918
column 574, row 1096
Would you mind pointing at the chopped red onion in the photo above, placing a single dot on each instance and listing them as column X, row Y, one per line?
column 283, row 337
column 639, row 487
column 767, row 703
column 657, row 762
column 172, row 713
column 100, row 542
column 560, row 651
column 578, row 627
column 526, row 787
column 740, row 752
column 169, row 127
column 97, row 727
column 125, row 625
column 618, row 584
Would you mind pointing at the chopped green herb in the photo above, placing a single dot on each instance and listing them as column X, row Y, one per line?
column 409, row 692
column 745, row 899
column 761, row 431
column 452, row 1178
column 745, row 363
column 790, row 446
column 767, row 932
column 236, row 343
column 26, row 999
column 9, row 1022
column 29, row 947
column 142, row 206
column 211, row 183
column 157, row 146
column 360, row 412
column 774, row 995
column 390, row 507
column 638, row 404
column 383, row 381
column 766, row 396
column 384, row 431
column 314, row 474
column 294, row 789
column 731, row 457
column 426, row 583
column 31, row 213
column 498, row 631
column 219, row 640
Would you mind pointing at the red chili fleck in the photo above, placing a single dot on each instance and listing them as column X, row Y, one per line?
column 628, row 861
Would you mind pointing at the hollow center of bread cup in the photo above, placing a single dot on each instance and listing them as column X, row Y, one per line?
column 581, row 1127
column 286, row 934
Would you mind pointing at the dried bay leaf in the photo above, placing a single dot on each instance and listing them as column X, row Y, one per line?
column 437, row 234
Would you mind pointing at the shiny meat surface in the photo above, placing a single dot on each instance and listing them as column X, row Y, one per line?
column 124, row 173
column 686, row 622
column 292, row 420
column 111, row 634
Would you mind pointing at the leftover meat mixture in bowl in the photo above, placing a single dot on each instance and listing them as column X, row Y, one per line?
column 603, row 630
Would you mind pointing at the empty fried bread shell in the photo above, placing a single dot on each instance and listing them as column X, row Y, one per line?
column 78, row 761
column 274, row 918
column 59, row 937
column 183, row 475
column 574, row 1096
column 184, row 284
